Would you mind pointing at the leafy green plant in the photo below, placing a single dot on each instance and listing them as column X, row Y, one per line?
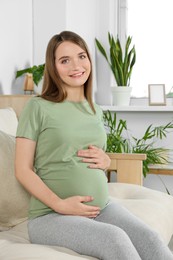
column 116, row 142
column 36, row 71
column 121, row 65
column 119, row 140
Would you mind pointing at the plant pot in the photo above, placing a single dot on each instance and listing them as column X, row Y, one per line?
column 28, row 83
column 38, row 89
column 121, row 95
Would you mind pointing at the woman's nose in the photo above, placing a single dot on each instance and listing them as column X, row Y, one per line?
column 75, row 64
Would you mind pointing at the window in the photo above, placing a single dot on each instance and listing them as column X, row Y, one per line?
column 150, row 23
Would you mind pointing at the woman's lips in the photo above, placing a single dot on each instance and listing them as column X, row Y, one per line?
column 76, row 75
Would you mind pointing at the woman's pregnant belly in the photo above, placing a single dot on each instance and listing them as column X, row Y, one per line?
column 80, row 180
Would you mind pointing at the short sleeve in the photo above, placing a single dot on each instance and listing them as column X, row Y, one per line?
column 30, row 121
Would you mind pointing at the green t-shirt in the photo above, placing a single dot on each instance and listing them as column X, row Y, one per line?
column 60, row 130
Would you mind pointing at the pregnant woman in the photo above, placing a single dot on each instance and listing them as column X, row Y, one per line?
column 60, row 160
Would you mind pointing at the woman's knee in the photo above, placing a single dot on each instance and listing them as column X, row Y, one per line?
column 117, row 245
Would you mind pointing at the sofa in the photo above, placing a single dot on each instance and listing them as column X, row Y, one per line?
column 153, row 207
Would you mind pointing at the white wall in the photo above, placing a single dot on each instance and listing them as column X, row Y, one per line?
column 15, row 43
column 28, row 25
column 49, row 18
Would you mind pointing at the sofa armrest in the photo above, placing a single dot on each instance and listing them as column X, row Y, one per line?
column 128, row 167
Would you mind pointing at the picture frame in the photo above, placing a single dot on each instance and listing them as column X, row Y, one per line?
column 156, row 94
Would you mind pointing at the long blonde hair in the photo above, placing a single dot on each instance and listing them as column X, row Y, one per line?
column 52, row 83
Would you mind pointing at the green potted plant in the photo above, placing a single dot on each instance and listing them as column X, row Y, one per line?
column 120, row 141
column 121, row 64
column 35, row 71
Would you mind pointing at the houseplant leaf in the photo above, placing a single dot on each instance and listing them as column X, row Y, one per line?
column 36, row 71
column 121, row 68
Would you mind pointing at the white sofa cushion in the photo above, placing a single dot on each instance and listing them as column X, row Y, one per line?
column 16, row 251
column 155, row 208
column 8, row 121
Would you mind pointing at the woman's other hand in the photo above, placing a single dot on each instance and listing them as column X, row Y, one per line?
column 75, row 206
column 96, row 157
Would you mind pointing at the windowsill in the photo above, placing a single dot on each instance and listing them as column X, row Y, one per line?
column 141, row 105
column 168, row 166
column 138, row 108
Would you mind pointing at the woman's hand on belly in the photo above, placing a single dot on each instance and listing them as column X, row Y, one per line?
column 75, row 206
column 96, row 157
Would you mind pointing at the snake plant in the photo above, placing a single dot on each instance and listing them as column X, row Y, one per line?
column 121, row 65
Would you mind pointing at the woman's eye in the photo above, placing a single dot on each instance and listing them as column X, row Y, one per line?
column 65, row 61
column 82, row 56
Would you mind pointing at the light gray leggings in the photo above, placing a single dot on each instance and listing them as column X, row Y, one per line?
column 115, row 234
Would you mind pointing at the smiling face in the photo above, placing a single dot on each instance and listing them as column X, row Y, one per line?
column 72, row 64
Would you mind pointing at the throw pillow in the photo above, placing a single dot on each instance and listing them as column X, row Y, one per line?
column 14, row 199
column 8, row 121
